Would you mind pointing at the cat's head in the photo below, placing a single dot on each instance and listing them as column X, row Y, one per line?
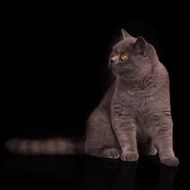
column 130, row 57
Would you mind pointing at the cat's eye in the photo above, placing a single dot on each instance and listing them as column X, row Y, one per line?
column 123, row 57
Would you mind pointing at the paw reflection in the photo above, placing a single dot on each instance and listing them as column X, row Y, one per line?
column 105, row 174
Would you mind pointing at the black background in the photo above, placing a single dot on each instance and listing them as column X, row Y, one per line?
column 56, row 64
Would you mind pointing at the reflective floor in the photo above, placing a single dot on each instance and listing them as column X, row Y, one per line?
column 88, row 173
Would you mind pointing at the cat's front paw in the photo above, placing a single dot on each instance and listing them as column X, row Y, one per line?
column 171, row 161
column 129, row 156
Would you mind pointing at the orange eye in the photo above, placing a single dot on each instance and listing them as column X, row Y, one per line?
column 123, row 57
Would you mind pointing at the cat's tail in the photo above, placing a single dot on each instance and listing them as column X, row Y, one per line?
column 54, row 146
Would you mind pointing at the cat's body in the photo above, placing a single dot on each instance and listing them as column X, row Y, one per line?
column 134, row 111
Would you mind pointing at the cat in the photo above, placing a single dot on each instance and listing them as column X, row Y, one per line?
column 133, row 116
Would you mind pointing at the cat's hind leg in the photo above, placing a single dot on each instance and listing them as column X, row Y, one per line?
column 152, row 150
column 100, row 138
column 149, row 148
column 113, row 153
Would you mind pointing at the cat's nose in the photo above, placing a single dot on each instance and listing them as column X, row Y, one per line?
column 113, row 59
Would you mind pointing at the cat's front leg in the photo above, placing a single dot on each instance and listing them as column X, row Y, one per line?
column 125, row 129
column 163, row 138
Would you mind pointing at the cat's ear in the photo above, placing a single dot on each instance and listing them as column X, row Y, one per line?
column 141, row 45
column 125, row 34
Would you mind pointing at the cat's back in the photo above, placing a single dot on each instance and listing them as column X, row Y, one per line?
column 106, row 100
column 104, row 106
column 161, row 71
column 161, row 80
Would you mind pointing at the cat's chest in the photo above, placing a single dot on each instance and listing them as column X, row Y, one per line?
column 137, row 101
column 141, row 99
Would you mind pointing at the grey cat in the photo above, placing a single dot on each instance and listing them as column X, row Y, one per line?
column 133, row 115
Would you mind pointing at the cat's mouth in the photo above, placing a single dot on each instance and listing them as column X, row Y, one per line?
column 115, row 67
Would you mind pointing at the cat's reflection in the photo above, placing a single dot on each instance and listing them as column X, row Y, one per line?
column 101, row 174
column 166, row 178
column 104, row 174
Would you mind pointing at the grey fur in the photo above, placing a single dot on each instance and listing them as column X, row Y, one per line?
column 134, row 111
column 53, row 146
column 136, row 108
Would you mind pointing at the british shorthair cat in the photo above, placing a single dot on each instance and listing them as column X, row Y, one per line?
column 134, row 115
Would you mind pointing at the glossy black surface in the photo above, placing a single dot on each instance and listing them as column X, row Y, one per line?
column 88, row 173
